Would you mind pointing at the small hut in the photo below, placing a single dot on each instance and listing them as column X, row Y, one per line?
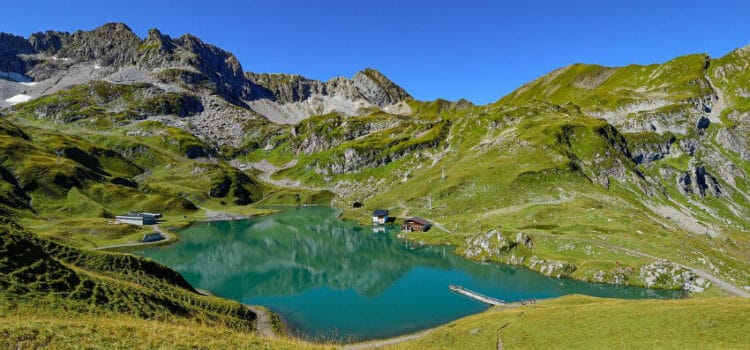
column 152, row 237
column 380, row 217
column 416, row 224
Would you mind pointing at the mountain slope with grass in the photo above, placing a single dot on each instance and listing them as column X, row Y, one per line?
column 39, row 273
column 57, row 296
column 562, row 176
column 583, row 166
column 577, row 322
column 631, row 175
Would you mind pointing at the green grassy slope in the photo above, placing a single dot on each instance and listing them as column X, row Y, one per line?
column 577, row 322
column 590, row 162
column 65, row 173
column 598, row 88
column 40, row 274
column 57, row 296
column 554, row 173
column 61, row 330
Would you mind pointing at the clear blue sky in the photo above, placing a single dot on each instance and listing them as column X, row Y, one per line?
column 479, row 50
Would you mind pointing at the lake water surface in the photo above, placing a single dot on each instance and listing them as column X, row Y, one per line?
column 337, row 280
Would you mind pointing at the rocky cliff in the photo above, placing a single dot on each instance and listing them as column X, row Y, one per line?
column 47, row 62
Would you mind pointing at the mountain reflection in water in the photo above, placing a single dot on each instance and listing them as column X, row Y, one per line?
column 332, row 278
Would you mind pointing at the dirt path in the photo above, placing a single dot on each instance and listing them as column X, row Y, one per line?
column 440, row 226
column 390, row 341
column 167, row 238
column 727, row 286
column 405, row 214
column 263, row 324
column 720, row 103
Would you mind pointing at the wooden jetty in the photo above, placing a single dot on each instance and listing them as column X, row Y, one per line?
column 476, row 296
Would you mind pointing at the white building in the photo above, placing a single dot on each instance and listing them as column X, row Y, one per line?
column 136, row 219
column 380, row 217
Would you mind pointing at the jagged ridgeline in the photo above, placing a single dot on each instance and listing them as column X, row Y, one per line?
column 584, row 164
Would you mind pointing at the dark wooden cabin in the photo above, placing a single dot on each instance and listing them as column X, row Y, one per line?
column 416, row 224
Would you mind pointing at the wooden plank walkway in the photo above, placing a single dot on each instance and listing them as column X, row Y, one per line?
column 476, row 296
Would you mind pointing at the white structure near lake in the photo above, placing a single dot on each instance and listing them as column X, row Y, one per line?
column 380, row 217
column 140, row 219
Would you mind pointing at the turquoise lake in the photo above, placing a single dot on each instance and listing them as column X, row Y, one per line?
column 337, row 280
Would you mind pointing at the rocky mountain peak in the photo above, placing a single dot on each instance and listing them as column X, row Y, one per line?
column 13, row 44
column 49, row 41
column 113, row 44
column 296, row 97
column 10, row 47
column 377, row 88
column 221, row 67
column 158, row 40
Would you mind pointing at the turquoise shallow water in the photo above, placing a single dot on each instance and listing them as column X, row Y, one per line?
column 332, row 279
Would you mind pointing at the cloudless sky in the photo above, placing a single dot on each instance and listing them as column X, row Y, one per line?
column 479, row 50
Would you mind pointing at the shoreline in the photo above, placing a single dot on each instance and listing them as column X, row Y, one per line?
column 717, row 282
column 265, row 327
column 264, row 316
column 378, row 343
column 361, row 344
column 216, row 216
column 211, row 216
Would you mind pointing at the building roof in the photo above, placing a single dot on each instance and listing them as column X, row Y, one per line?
column 129, row 217
column 418, row 220
column 152, row 237
column 380, row 212
column 153, row 215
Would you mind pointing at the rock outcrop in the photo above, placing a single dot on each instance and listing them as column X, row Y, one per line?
column 697, row 181
column 667, row 275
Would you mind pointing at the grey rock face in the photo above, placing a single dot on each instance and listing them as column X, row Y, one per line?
column 488, row 245
column 368, row 84
column 289, row 88
column 296, row 98
column 188, row 63
column 553, row 268
column 733, row 141
column 220, row 66
column 697, row 181
column 378, row 89
column 112, row 44
column 671, row 276
column 10, row 47
column 647, row 153
column 49, row 41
